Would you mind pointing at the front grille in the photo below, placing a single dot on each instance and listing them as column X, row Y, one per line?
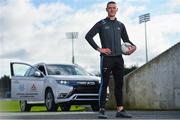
column 83, row 83
column 85, row 89
column 87, row 97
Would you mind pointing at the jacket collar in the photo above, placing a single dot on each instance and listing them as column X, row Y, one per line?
column 109, row 20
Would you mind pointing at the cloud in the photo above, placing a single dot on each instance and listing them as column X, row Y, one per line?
column 173, row 3
column 132, row 10
column 18, row 54
column 37, row 34
column 137, row 1
column 157, row 31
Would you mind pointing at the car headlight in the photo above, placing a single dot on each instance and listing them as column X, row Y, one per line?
column 62, row 82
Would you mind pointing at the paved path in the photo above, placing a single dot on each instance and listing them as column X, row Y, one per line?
column 89, row 115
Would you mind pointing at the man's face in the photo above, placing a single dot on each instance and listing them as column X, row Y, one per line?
column 111, row 9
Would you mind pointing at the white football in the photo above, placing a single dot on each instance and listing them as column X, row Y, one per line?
column 125, row 48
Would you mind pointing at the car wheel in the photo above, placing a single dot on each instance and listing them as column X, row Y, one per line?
column 65, row 107
column 24, row 106
column 95, row 107
column 49, row 101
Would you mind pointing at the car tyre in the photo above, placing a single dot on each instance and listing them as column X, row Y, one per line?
column 95, row 107
column 65, row 107
column 24, row 107
column 49, row 101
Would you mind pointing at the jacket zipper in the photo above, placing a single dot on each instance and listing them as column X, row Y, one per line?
column 114, row 38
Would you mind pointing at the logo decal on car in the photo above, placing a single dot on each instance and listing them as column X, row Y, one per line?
column 33, row 87
column 21, row 87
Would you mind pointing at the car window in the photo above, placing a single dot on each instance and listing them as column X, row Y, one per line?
column 41, row 68
column 79, row 71
column 21, row 69
column 27, row 72
column 65, row 70
column 32, row 72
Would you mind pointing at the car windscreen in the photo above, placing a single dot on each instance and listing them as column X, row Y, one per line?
column 65, row 70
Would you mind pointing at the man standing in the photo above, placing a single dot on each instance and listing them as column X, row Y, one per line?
column 111, row 31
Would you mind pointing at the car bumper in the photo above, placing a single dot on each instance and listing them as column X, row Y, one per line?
column 80, row 97
column 80, row 93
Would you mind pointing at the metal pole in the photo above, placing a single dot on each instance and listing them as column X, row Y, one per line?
column 72, row 36
column 145, row 18
column 73, row 60
column 146, row 42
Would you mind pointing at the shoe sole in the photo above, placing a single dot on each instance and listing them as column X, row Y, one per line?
column 102, row 117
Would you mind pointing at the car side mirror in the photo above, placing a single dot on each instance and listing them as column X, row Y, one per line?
column 37, row 74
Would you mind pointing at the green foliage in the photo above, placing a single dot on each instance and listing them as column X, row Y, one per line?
column 129, row 69
column 126, row 70
column 5, row 86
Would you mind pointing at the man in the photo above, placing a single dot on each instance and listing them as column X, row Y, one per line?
column 110, row 31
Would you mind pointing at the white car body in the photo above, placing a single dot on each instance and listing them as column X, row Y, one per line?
column 33, row 89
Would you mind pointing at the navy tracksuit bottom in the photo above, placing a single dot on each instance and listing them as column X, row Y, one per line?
column 114, row 64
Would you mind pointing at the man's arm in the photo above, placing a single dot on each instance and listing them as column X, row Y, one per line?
column 125, row 38
column 92, row 32
column 89, row 37
column 124, row 35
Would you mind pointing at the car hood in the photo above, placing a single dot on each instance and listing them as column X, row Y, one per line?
column 74, row 77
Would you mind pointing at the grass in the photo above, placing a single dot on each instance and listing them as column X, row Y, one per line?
column 9, row 106
column 13, row 106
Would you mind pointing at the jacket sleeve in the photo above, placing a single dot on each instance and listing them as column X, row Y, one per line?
column 124, row 35
column 92, row 32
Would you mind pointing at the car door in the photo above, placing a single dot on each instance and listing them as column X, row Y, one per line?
column 27, row 82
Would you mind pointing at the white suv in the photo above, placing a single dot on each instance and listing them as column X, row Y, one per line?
column 53, row 85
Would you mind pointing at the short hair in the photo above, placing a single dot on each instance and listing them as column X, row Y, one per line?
column 110, row 2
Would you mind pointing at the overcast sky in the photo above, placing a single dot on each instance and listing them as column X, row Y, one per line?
column 33, row 31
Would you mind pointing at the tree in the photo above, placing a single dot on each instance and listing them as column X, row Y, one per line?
column 5, row 85
column 129, row 69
